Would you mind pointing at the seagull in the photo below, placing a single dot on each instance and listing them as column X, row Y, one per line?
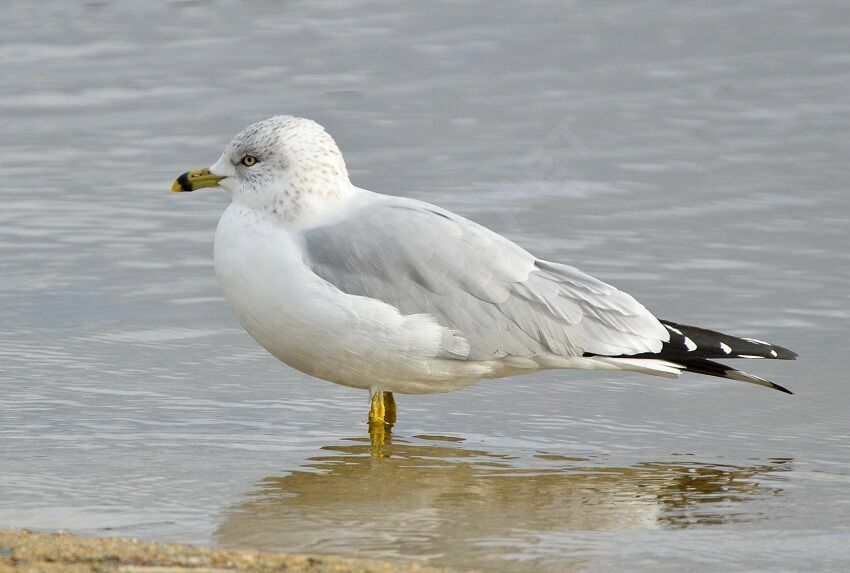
column 394, row 295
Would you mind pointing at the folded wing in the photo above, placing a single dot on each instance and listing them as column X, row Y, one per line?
column 500, row 298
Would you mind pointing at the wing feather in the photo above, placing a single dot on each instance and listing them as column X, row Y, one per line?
column 497, row 296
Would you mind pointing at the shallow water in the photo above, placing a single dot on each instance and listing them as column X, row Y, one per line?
column 694, row 154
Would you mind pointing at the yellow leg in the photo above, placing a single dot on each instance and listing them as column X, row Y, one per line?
column 382, row 416
column 390, row 412
column 378, row 411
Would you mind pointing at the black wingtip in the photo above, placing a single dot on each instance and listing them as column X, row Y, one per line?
column 776, row 386
column 784, row 353
column 711, row 368
column 688, row 342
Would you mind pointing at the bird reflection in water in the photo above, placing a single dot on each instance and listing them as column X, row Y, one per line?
column 429, row 498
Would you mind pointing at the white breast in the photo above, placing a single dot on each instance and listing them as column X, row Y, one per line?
column 313, row 327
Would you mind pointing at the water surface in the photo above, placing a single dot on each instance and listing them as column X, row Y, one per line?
column 694, row 154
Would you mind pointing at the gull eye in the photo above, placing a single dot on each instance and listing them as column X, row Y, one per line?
column 248, row 160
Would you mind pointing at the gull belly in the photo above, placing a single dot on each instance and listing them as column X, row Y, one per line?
column 314, row 327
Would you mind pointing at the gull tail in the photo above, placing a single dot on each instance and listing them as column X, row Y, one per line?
column 691, row 349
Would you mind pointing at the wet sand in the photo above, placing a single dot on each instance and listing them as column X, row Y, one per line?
column 28, row 551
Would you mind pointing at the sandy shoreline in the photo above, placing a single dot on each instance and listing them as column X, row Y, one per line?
column 29, row 551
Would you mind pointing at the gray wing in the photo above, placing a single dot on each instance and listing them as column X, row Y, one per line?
column 420, row 258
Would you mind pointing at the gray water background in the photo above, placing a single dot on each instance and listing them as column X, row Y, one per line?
column 695, row 154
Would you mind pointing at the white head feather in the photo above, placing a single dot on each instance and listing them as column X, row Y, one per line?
column 296, row 169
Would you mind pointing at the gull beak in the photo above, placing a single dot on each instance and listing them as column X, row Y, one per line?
column 194, row 180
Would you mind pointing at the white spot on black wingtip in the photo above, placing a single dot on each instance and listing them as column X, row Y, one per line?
column 725, row 348
column 671, row 329
column 749, row 356
column 690, row 344
column 773, row 353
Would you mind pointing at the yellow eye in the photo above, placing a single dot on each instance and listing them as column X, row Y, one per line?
column 249, row 160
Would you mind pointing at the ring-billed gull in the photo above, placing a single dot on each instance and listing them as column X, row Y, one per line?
column 390, row 294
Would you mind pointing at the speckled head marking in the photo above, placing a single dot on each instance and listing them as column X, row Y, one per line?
column 284, row 165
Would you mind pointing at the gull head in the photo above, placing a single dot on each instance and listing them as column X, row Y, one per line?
column 283, row 165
